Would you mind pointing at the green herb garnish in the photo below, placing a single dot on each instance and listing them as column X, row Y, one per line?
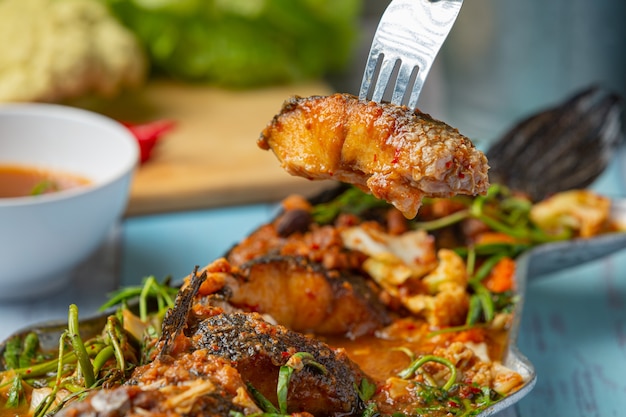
column 351, row 201
column 418, row 363
column 43, row 187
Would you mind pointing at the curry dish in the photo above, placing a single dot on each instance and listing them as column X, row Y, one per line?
column 342, row 305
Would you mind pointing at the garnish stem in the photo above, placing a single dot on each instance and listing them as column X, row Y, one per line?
column 84, row 363
column 418, row 363
column 442, row 222
column 114, row 335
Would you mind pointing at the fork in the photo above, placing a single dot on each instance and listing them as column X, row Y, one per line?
column 409, row 36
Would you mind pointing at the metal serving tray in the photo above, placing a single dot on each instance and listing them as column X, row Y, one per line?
column 532, row 265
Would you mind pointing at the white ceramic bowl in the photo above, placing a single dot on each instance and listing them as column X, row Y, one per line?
column 42, row 238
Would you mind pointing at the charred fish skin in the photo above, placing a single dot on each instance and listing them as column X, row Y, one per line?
column 321, row 301
column 257, row 349
column 398, row 154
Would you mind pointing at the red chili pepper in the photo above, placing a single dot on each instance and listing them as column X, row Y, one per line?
column 147, row 134
column 453, row 404
column 396, row 156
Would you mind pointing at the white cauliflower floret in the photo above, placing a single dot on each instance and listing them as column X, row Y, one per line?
column 388, row 270
column 398, row 263
column 448, row 301
column 582, row 211
column 392, row 259
column 451, row 270
column 446, row 308
column 53, row 50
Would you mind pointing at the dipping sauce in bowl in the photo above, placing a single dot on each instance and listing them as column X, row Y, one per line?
column 44, row 235
column 24, row 181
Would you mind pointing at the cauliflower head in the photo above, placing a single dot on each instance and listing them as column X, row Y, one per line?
column 55, row 50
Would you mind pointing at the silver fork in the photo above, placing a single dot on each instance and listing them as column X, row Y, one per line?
column 409, row 36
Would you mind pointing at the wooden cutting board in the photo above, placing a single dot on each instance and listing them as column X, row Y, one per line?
column 210, row 158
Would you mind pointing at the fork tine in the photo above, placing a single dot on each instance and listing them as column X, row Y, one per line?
column 384, row 76
column 408, row 35
column 368, row 74
column 417, row 86
column 403, row 83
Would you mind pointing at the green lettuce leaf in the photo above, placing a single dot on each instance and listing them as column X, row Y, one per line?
column 243, row 43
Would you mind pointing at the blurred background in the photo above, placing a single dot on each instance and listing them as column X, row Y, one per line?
column 503, row 59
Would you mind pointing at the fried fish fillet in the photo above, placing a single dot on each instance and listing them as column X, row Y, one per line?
column 257, row 349
column 397, row 154
column 322, row 301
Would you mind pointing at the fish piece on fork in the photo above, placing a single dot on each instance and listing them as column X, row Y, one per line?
column 394, row 153
column 391, row 150
column 407, row 40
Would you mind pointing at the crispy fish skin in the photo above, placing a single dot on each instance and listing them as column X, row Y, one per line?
column 321, row 301
column 397, row 154
column 257, row 349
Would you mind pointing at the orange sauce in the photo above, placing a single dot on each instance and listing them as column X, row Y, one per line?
column 381, row 358
column 22, row 181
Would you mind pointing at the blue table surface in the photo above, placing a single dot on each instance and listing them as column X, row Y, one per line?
column 573, row 325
